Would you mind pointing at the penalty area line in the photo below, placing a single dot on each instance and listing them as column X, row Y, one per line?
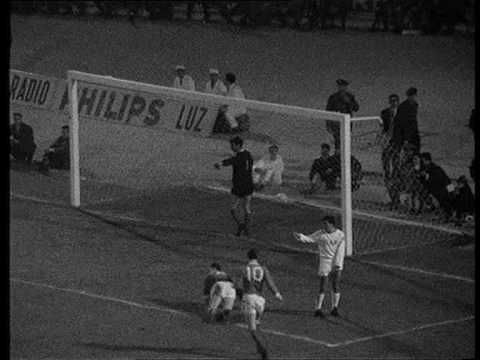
column 357, row 213
column 101, row 297
column 418, row 271
column 156, row 308
column 401, row 332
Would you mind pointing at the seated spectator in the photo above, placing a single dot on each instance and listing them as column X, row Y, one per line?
column 57, row 156
column 232, row 118
column 355, row 169
column 22, row 144
column 268, row 170
column 328, row 170
column 438, row 184
column 463, row 200
column 215, row 85
column 410, row 182
column 322, row 171
column 183, row 80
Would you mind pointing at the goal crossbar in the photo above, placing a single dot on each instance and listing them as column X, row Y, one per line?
column 196, row 96
column 345, row 120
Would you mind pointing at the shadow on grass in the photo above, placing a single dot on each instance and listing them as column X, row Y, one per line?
column 178, row 351
column 197, row 309
column 440, row 296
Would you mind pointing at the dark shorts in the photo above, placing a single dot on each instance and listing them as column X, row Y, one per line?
column 242, row 191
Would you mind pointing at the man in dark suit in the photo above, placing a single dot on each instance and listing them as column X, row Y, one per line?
column 22, row 144
column 390, row 156
column 406, row 124
column 344, row 102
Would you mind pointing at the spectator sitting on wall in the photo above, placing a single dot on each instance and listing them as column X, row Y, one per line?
column 438, row 184
column 232, row 118
column 22, row 144
column 322, row 171
column 183, row 80
column 463, row 200
column 215, row 85
column 57, row 156
column 268, row 170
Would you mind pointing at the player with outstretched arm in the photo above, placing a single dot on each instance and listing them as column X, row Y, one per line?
column 242, row 183
column 254, row 277
column 331, row 251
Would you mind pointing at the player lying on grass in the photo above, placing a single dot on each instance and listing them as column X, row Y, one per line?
column 254, row 277
column 331, row 251
column 242, row 183
column 219, row 293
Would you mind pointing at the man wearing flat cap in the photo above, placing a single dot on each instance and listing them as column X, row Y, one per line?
column 22, row 144
column 344, row 102
column 406, row 124
column 183, row 80
column 215, row 85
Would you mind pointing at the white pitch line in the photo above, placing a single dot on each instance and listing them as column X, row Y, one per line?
column 36, row 199
column 296, row 337
column 355, row 212
column 401, row 332
column 157, row 308
column 419, row 271
column 101, row 297
column 288, row 247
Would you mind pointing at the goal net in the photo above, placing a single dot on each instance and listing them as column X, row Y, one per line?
column 145, row 153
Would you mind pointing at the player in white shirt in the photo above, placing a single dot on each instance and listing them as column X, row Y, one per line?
column 183, row 80
column 215, row 85
column 331, row 251
column 269, row 169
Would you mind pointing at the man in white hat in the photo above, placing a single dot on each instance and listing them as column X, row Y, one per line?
column 182, row 80
column 215, row 85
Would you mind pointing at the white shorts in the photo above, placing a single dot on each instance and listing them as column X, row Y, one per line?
column 324, row 267
column 253, row 304
column 224, row 289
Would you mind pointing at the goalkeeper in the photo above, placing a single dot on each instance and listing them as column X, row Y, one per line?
column 331, row 251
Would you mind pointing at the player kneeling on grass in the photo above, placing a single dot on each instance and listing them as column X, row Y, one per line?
column 254, row 277
column 219, row 293
column 331, row 251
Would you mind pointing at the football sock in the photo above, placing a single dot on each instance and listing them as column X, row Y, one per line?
column 235, row 217
column 248, row 218
column 320, row 300
column 335, row 299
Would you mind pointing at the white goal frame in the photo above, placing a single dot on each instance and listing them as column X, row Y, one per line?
column 74, row 77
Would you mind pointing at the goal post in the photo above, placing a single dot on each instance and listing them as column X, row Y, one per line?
column 72, row 86
column 91, row 95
